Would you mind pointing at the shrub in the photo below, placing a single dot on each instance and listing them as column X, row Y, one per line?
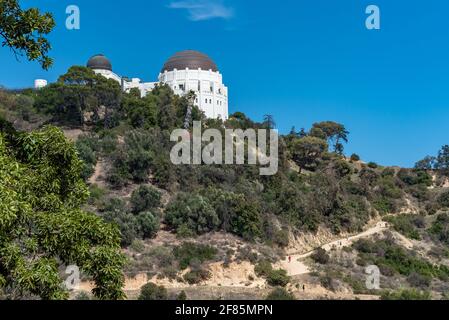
column 320, row 256
column 82, row 296
column 191, row 211
column 86, row 151
column 148, row 224
column 355, row 157
column 197, row 276
column 373, row 165
column 327, row 282
column 406, row 294
column 137, row 246
column 274, row 277
column 407, row 225
column 419, row 281
column 281, row 238
column 342, row 168
column 188, row 252
column 96, row 194
column 280, row 294
column 115, row 212
column 151, row 291
column 236, row 213
column 440, row 228
column 443, row 199
column 145, row 198
column 182, row 296
column 414, row 177
column 278, row 278
column 263, row 268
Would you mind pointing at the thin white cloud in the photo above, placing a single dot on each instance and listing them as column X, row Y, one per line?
column 200, row 10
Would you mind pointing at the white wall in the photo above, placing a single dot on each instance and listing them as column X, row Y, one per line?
column 212, row 94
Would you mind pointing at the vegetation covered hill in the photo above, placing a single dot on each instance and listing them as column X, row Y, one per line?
column 124, row 146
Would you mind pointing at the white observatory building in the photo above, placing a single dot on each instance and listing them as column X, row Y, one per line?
column 184, row 72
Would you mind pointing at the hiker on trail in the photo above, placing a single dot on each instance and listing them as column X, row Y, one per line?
column 289, row 259
column 304, row 287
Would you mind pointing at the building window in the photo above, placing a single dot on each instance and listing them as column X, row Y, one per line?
column 206, row 100
column 181, row 87
column 210, row 101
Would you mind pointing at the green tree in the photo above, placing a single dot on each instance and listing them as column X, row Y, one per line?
column 25, row 31
column 268, row 121
column 192, row 212
column 336, row 133
column 41, row 224
column 307, row 152
column 427, row 163
column 236, row 213
column 442, row 161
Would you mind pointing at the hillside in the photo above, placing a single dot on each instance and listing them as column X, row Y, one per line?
column 218, row 231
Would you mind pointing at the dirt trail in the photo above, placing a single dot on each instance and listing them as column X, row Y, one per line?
column 238, row 275
column 298, row 267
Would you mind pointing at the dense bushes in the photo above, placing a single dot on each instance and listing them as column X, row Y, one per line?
column 151, row 291
column 189, row 252
column 274, row 277
column 320, row 256
column 87, row 148
column 143, row 225
column 148, row 224
column 414, row 177
column 280, row 294
column 197, row 275
column 443, row 200
column 408, row 225
column 236, row 213
column 145, row 198
column 191, row 214
column 387, row 255
column 406, row 294
column 440, row 228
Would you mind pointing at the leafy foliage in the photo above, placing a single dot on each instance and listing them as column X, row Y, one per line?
column 151, row 291
column 145, row 198
column 280, row 294
column 25, row 31
column 188, row 252
column 192, row 212
column 41, row 224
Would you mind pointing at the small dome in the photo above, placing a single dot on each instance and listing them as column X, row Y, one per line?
column 100, row 62
column 189, row 59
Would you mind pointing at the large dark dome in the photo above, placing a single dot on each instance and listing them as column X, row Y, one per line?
column 99, row 61
column 189, row 59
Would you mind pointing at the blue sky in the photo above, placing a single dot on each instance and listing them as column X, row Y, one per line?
column 302, row 61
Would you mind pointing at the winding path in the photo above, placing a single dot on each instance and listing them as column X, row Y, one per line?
column 298, row 267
